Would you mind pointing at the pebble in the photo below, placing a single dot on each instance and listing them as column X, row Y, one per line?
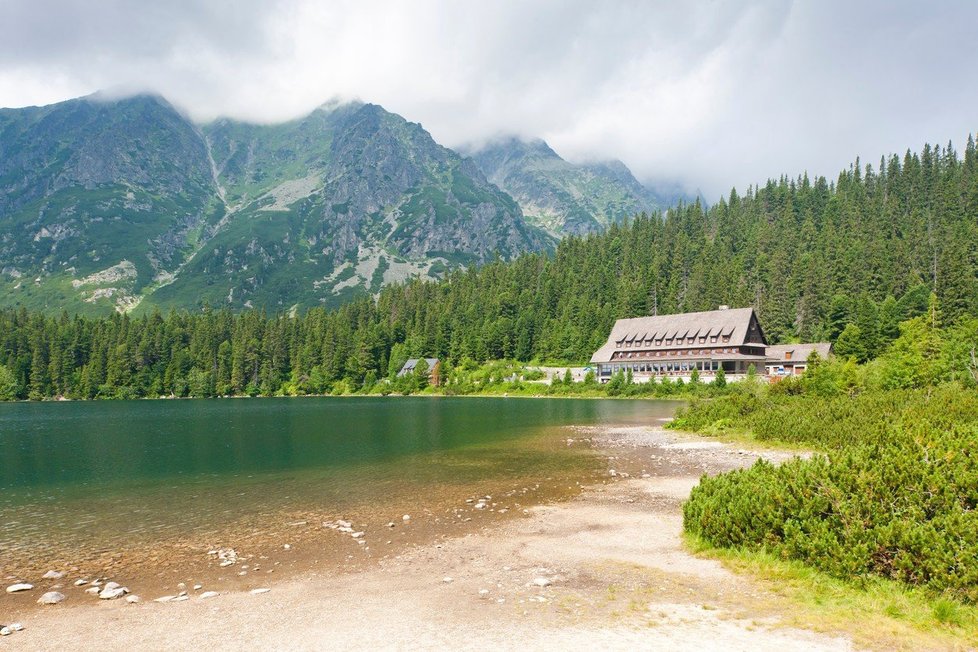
column 133, row 599
column 287, row 547
column 16, row 627
column 180, row 587
column 391, row 524
column 209, row 594
column 357, row 535
column 447, row 580
column 166, row 598
column 542, row 581
column 406, row 517
column 19, row 586
column 259, row 591
column 92, row 590
column 5, row 631
column 180, row 598
column 483, row 593
column 52, row 575
column 198, row 587
column 51, row 597
column 81, row 582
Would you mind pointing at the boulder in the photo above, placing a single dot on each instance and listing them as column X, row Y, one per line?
column 51, row 597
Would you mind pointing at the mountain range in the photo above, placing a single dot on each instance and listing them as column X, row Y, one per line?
column 127, row 204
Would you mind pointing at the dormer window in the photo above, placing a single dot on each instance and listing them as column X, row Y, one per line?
column 713, row 339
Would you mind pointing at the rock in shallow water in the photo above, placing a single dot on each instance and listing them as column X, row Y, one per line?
column 51, row 597
column 19, row 586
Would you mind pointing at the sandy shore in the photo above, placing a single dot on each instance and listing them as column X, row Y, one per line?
column 605, row 570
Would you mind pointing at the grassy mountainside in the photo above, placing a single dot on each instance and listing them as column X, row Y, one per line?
column 126, row 204
column 565, row 198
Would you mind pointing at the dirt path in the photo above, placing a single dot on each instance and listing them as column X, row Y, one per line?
column 613, row 571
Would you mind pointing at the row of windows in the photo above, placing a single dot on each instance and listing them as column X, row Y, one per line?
column 661, row 367
column 665, row 354
column 670, row 342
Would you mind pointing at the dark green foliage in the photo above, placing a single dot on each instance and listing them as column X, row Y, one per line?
column 895, row 496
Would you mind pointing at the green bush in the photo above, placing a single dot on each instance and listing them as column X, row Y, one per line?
column 895, row 496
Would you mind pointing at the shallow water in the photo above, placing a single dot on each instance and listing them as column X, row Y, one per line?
column 102, row 480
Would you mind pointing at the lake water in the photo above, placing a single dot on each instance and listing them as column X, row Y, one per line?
column 139, row 484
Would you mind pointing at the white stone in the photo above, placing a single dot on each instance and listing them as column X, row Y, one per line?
column 133, row 599
column 480, row 505
column 5, row 631
column 166, row 598
column 541, row 581
column 92, row 590
column 357, row 535
column 19, row 586
column 52, row 575
column 16, row 627
column 209, row 594
column 181, row 587
column 259, row 591
column 287, row 547
column 51, row 597
column 113, row 593
column 81, row 582
column 111, row 585
column 406, row 517
column 180, row 598
column 447, row 580
column 483, row 593
column 198, row 587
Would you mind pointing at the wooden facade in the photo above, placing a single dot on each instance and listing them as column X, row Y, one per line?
column 676, row 345
column 434, row 369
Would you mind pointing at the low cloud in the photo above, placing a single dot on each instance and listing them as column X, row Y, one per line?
column 712, row 94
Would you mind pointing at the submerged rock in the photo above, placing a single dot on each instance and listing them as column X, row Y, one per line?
column 51, row 597
column 19, row 586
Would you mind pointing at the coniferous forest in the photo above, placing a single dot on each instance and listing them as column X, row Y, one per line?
column 844, row 260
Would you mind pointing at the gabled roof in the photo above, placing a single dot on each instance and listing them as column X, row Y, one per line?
column 733, row 323
column 413, row 362
column 799, row 352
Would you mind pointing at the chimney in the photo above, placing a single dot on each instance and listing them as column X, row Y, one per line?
column 723, row 306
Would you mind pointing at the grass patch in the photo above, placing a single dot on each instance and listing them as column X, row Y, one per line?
column 875, row 613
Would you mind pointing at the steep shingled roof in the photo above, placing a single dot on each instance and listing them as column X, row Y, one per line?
column 657, row 331
column 799, row 352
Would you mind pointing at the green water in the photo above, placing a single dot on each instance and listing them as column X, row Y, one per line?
column 82, row 475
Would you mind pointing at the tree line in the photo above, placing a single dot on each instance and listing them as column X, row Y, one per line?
column 844, row 260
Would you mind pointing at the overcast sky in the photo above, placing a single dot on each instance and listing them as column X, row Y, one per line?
column 711, row 94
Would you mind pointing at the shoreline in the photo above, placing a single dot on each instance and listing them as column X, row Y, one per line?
column 603, row 568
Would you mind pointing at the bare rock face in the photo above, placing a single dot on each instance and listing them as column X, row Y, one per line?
column 271, row 213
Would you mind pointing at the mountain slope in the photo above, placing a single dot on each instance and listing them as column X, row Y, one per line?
column 127, row 203
column 562, row 197
column 97, row 198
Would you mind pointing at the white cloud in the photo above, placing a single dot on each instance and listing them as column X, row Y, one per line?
column 713, row 93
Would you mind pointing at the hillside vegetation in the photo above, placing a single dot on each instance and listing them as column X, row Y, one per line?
column 894, row 488
column 846, row 261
